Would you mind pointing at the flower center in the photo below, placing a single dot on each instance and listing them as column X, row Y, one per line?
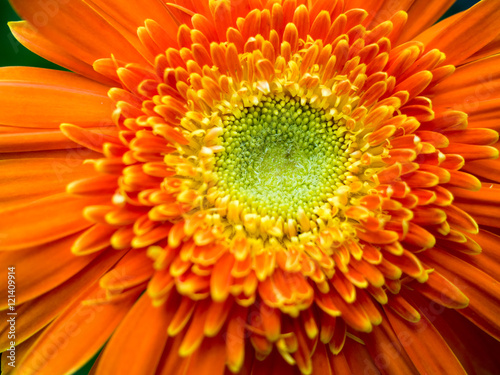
column 280, row 158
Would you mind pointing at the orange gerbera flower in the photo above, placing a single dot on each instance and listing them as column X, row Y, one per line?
column 252, row 187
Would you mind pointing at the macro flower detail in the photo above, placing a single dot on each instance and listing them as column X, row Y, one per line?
column 254, row 187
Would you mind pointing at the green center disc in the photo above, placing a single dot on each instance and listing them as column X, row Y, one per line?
column 280, row 156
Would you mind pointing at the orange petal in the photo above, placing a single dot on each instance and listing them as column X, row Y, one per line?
column 303, row 353
column 378, row 237
column 423, row 14
column 100, row 184
column 476, row 136
column 384, row 340
column 337, row 342
column 460, row 219
column 471, row 152
column 469, row 246
column 91, row 38
column 194, row 335
column 301, row 20
column 134, row 268
column 404, row 309
column 235, row 338
column 93, row 239
column 484, row 168
column 146, row 324
column 36, row 314
column 222, row 13
column 271, row 322
column 439, row 289
column 36, row 270
column 471, row 31
column 170, row 362
column 464, row 341
column 24, row 180
column 483, row 205
column 489, row 261
column 466, row 83
column 492, row 48
column 34, row 223
column 482, row 290
column 427, row 349
column 209, row 359
column 409, row 264
column 353, row 314
column 93, row 139
column 29, row 37
column 182, row 316
column 44, row 98
column 126, row 18
column 415, row 84
column 80, row 331
column 220, row 280
column 339, row 364
column 320, row 361
column 216, row 316
column 17, row 139
column 464, row 180
column 21, row 350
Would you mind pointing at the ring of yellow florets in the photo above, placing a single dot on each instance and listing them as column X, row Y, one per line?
column 281, row 157
column 319, row 154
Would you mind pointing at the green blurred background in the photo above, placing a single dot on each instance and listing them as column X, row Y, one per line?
column 13, row 53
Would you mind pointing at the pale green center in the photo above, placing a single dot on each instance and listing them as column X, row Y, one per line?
column 280, row 156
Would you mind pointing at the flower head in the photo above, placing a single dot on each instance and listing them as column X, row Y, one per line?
column 254, row 186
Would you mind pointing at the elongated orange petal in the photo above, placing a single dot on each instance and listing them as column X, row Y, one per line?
column 93, row 139
column 35, row 314
column 17, row 223
column 423, row 14
column 384, row 340
column 439, row 359
column 76, row 335
column 444, row 292
column 475, row 28
column 24, row 180
column 36, row 271
column 126, row 19
column 18, row 139
column 209, row 359
column 221, row 278
column 28, row 36
column 463, row 342
column 92, row 37
column 143, row 320
column 54, row 97
column 482, row 290
column 359, row 359
column 134, row 268
column 489, row 261
column 21, row 351
column 235, row 339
